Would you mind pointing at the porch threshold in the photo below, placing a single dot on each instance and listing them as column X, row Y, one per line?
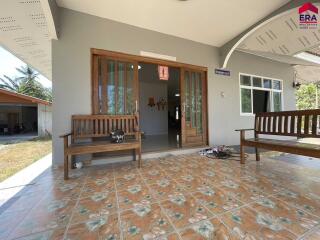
column 146, row 156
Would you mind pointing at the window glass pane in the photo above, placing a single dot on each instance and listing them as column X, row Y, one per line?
column 257, row 82
column 266, row 83
column 187, row 94
column 199, row 102
column 277, row 84
column 245, row 80
column 120, row 88
column 246, row 100
column 111, row 87
column 193, row 99
column 277, row 102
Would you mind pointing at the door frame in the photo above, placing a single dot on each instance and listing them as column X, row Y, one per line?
column 95, row 53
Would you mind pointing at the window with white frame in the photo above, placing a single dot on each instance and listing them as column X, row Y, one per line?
column 260, row 94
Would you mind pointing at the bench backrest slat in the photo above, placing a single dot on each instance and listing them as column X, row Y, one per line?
column 90, row 126
column 300, row 123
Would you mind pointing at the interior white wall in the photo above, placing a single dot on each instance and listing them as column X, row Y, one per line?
column 72, row 79
column 152, row 120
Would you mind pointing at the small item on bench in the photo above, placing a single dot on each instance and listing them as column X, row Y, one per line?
column 117, row 136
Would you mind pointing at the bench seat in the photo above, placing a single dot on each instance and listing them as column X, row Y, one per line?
column 299, row 124
column 293, row 147
column 101, row 146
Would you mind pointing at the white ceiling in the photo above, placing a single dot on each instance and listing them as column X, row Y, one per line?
column 212, row 22
column 283, row 36
column 24, row 32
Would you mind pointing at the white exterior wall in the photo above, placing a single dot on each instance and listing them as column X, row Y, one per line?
column 44, row 120
column 72, row 78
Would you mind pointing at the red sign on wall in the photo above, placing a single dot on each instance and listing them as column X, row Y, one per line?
column 163, row 73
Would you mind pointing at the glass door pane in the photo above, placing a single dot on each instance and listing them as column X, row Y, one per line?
column 192, row 85
column 116, row 87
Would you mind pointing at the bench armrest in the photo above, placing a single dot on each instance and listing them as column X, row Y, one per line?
column 65, row 135
column 245, row 129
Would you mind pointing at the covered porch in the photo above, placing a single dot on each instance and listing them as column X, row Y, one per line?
column 177, row 85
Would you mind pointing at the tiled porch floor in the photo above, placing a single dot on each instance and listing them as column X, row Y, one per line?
column 184, row 197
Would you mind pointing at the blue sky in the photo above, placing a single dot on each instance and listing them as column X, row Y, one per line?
column 9, row 63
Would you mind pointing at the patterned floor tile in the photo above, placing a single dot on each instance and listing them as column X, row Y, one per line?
column 293, row 219
column 106, row 228
column 164, row 187
column 248, row 224
column 216, row 200
column 184, row 210
column 138, row 193
column 145, row 221
column 98, row 205
column 208, row 229
column 170, row 198
column 309, row 202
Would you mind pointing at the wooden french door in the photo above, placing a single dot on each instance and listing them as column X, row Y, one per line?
column 115, row 86
column 193, row 88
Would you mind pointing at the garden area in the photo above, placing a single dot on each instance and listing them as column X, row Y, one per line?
column 18, row 155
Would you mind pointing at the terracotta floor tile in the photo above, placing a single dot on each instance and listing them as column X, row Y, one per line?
column 309, row 202
column 184, row 209
column 216, row 200
column 241, row 191
column 136, row 193
column 314, row 235
column 208, row 229
column 98, row 205
column 249, row 224
column 106, row 227
column 293, row 219
column 165, row 187
column 199, row 196
column 144, row 221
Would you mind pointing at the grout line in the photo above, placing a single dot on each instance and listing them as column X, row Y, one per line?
column 75, row 206
column 161, row 207
column 118, row 205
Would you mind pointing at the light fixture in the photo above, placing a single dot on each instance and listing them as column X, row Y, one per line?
column 177, row 95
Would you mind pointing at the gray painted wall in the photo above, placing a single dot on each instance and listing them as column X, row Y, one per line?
column 71, row 72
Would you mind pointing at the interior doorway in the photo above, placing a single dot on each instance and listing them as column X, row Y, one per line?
column 159, row 101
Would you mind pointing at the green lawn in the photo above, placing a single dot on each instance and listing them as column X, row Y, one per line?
column 16, row 156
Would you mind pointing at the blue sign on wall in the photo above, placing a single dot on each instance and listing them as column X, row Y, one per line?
column 222, row 72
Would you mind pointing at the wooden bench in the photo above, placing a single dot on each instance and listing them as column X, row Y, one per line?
column 300, row 124
column 97, row 127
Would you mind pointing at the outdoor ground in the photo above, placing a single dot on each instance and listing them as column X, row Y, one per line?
column 16, row 156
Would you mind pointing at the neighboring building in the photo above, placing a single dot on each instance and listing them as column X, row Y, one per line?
column 21, row 114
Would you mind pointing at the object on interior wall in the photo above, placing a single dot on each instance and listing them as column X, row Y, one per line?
column 163, row 73
column 151, row 102
column 161, row 104
column 222, row 94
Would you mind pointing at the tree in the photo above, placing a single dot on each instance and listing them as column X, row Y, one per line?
column 26, row 83
column 9, row 84
column 306, row 96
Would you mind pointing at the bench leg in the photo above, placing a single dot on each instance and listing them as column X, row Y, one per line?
column 134, row 155
column 257, row 155
column 242, row 155
column 139, row 157
column 66, row 166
